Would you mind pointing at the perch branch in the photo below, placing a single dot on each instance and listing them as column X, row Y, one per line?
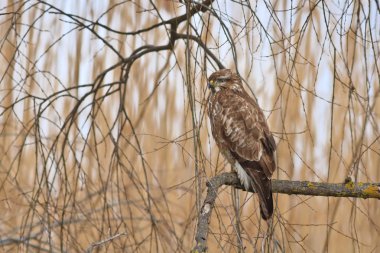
column 347, row 189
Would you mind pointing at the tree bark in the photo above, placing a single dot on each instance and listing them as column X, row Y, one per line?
column 346, row 189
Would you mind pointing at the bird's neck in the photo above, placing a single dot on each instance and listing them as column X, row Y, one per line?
column 215, row 90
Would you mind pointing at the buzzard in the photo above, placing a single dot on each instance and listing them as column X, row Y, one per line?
column 242, row 135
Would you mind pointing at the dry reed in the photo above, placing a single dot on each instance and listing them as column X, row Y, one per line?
column 99, row 155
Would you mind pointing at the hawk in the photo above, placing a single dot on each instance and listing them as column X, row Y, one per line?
column 240, row 130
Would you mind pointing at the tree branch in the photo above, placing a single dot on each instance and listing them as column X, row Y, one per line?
column 346, row 189
column 100, row 243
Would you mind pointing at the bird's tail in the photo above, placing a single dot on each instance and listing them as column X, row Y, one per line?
column 263, row 187
column 266, row 207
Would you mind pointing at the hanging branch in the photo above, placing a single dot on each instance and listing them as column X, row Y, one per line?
column 346, row 189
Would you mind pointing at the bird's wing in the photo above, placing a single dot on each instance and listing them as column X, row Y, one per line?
column 239, row 125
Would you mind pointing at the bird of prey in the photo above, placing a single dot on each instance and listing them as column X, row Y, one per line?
column 242, row 135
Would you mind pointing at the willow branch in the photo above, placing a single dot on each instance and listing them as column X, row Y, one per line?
column 346, row 189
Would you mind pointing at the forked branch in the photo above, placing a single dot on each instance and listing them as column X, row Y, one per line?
column 346, row 189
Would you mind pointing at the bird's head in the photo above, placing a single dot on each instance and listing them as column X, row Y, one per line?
column 224, row 79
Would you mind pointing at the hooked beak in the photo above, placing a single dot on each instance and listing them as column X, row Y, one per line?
column 210, row 84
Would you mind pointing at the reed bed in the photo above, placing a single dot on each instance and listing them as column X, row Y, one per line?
column 99, row 153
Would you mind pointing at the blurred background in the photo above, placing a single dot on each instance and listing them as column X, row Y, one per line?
column 105, row 144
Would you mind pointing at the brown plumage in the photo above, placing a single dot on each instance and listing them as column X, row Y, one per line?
column 242, row 135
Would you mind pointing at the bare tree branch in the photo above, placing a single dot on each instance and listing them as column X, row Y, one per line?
column 99, row 103
column 346, row 189
column 97, row 244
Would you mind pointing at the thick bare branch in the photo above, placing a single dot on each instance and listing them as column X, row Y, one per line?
column 346, row 189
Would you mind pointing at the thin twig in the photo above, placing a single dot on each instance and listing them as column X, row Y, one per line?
column 100, row 243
